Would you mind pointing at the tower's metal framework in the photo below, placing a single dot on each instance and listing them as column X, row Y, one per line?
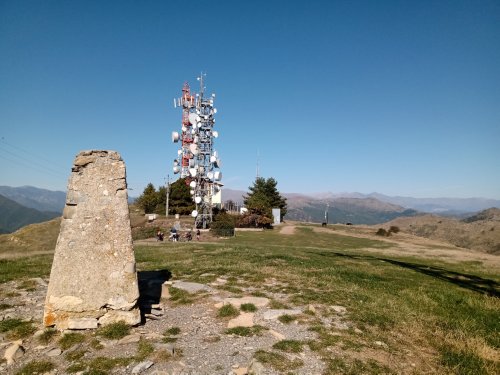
column 197, row 160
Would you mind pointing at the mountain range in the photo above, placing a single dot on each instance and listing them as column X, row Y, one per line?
column 355, row 208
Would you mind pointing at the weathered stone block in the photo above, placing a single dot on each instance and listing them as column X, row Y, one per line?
column 93, row 273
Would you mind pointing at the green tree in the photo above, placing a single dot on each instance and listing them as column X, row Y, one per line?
column 263, row 196
column 148, row 199
column 180, row 200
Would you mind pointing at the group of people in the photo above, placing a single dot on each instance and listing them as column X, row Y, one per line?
column 174, row 236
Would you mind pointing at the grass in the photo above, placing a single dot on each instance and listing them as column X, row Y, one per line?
column 248, row 307
column 290, row 346
column 47, row 336
column 70, row 339
column 245, row 331
column 427, row 308
column 144, row 349
column 228, row 311
column 286, row 318
column 277, row 361
column 36, row 367
column 16, row 328
column 114, row 331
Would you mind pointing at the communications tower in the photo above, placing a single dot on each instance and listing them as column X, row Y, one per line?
column 197, row 160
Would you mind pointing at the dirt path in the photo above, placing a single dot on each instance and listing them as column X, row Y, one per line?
column 287, row 229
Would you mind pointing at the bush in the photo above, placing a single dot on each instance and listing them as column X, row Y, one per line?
column 253, row 220
column 382, row 232
column 223, row 225
column 394, row 229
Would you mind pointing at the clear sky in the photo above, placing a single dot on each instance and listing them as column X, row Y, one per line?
column 397, row 97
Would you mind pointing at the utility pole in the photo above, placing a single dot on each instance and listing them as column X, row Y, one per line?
column 168, row 193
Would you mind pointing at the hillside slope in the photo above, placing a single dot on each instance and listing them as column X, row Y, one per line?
column 345, row 210
column 33, row 197
column 480, row 233
column 14, row 216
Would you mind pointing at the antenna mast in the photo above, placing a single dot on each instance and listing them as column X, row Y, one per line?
column 199, row 160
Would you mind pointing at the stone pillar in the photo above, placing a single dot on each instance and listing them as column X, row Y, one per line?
column 93, row 278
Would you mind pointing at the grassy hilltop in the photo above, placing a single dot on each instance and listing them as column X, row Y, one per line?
column 375, row 305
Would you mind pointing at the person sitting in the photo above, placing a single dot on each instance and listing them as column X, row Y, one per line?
column 189, row 237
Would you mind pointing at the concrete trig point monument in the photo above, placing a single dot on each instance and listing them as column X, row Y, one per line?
column 93, row 278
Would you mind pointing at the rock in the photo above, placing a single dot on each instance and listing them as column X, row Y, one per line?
column 191, row 287
column 240, row 371
column 312, row 309
column 380, row 343
column 277, row 335
column 142, row 366
column 165, row 291
column 256, row 368
column 94, row 264
column 169, row 348
column 82, row 323
column 237, row 302
column 132, row 317
column 358, row 331
column 339, row 309
column 14, row 352
column 242, row 320
column 53, row 352
column 130, row 339
column 275, row 314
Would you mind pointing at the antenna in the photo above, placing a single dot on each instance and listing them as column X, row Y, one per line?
column 257, row 169
column 197, row 161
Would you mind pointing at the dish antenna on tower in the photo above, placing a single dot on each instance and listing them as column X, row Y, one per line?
column 199, row 162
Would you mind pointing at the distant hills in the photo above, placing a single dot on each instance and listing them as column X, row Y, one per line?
column 33, row 197
column 352, row 208
column 371, row 208
column 14, row 216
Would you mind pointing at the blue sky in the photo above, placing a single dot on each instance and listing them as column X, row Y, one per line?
column 397, row 97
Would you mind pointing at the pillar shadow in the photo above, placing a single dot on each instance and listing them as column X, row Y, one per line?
column 150, row 285
column 463, row 280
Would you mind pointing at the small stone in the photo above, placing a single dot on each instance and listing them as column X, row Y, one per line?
column 339, row 309
column 275, row 314
column 311, row 308
column 235, row 365
column 380, row 343
column 357, row 330
column 142, row 366
column 14, row 352
column 130, row 339
column 256, row 368
column 242, row 320
column 277, row 335
column 54, row 352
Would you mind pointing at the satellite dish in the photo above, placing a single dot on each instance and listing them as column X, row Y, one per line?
column 175, row 137
column 194, row 213
column 191, row 163
column 179, row 152
column 192, row 118
column 194, row 149
column 191, row 192
column 201, row 170
column 217, row 163
column 184, row 128
column 215, row 153
column 176, row 162
column 216, row 188
column 193, row 172
column 175, row 103
column 197, row 199
column 176, row 169
column 215, row 111
column 192, row 184
column 210, row 175
column 215, row 133
column 193, row 131
column 218, row 176
column 213, row 159
column 196, row 139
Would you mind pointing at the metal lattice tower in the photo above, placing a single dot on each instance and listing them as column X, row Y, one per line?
column 199, row 162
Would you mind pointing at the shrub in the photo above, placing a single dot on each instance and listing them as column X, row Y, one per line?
column 394, row 229
column 70, row 339
column 248, row 307
column 382, row 232
column 223, row 225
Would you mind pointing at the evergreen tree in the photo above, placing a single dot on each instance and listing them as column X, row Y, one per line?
column 263, row 196
column 180, row 200
column 148, row 199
